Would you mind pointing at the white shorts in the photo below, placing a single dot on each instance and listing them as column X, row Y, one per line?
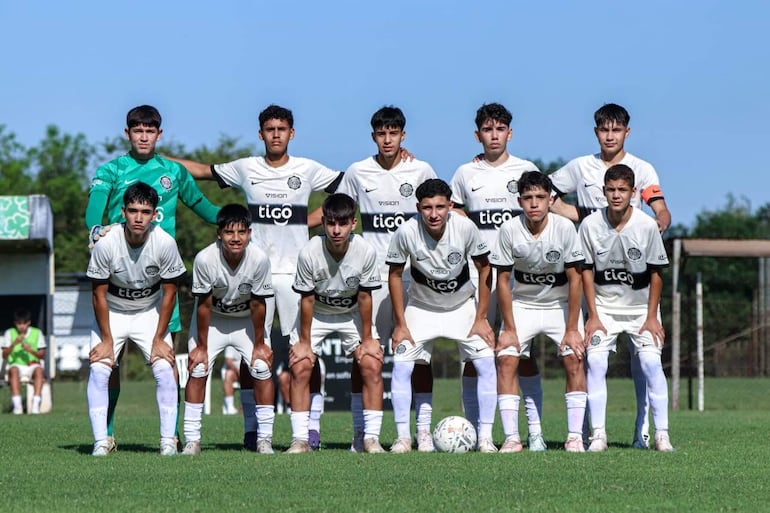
column 428, row 325
column 530, row 322
column 382, row 308
column 346, row 326
column 286, row 301
column 237, row 332
column 25, row 371
column 628, row 324
column 139, row 327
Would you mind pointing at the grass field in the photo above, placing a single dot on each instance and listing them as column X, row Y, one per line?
column 722, row 462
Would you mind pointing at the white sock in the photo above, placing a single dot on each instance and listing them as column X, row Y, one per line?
column 642, row 424
column 401, row 396
column 470, row 399
column 372, row 423
column 316, row 409
column 509, row 413
column 265, row 420
column 596, row 381
column 193, row 413
column 487, row 394
column 299, row 422
column 357, row 410
column 16, row 400
column 36, row 400
column 532, row 391
column 230, row 402
column 576, row 412
column 423, row 407
column 167, row 395
column 98, row 399
column 657, row 388
column 249, row 405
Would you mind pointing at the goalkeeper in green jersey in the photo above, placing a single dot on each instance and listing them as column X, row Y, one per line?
column 172, row 182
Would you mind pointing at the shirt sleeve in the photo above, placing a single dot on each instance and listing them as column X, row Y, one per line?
column 101, row 186
column 502, row 253
column 348, row 184
column 172, row 265
column 656, row 251
column 397, row 252
column 563, row 179
column 261, row 282
column 192, row 196
column 476, row 247
column 231, row 173
column 585, row 243
column 99, row 264
column 303, row 279
column 458, row 188
column 574, row 250
column 201, row 284
column 370, row 276
column 321, row 177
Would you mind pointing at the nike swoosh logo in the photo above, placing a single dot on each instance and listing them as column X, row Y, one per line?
column 474, row 189
column 370, row 190
column 599, row 253
column 256, row 182
column 587, row 185
column 129, row 182
column 118, row 271
column 421, row 259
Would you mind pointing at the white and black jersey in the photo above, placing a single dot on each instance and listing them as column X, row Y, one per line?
column 134, row 275
column 622, row 260
column 439, row 268
column 231, row 289
column 585, row 177
column 385, row 198
column 488, row 193
column 336, row 284
column 538, row 264
column 277, row 198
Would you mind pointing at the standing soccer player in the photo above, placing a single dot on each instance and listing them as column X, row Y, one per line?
column 335, row 276
column 383, row 185
column 544, row 253
column 439, row 244
column 128, row 269
column 585, row 176
column 231, row 281
column 622, row 284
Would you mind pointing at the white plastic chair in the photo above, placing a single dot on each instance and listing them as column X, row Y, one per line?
column 184, row 375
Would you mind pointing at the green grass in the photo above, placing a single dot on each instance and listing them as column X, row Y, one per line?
column 721, row 462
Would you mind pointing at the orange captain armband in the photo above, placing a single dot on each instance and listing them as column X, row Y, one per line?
column 651, row 193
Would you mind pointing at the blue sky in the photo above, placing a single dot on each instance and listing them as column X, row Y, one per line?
column 694, row 77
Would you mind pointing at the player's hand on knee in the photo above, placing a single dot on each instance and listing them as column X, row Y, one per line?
column 262, row 352
column 371, row 347
column 400, row 334
column 299, row 352
column 507, row 338
column 102, row 351
column 592, row 327
column 653, row 325
column 198, row 356
column 482, row 328
column 162, row 351
column 575, row 341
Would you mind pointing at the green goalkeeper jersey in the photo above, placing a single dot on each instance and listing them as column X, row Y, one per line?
column 170, row 179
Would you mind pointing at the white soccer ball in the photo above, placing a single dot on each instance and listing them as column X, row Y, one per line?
column 454, row 434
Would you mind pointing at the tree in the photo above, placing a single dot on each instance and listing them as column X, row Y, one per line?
column 14, row 164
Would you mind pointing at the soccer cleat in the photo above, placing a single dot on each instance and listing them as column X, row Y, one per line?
column 35, row 410
column 486, row 445
column 18, row 410
column 192, row 448
column 298, row 447
column 265, row 446
column 662, row 442
column 314, row 439
column 425, row 441
column 168, row 447
column 643, row 443
column 536, row 443
column 357, row 445
column 250, row 440
column 401, row 446
column 598, row 443
column 101, row 448
column 112, row 446
column 229, row 411
column 512, row 444
column 574, row 443
column 372, row 445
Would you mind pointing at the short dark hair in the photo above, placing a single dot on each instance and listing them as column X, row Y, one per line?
column 338, row 207
column 22, row 314
column 495, row 112
column 620, row 172
column 611, row 113
column 388, row 117
column 146, row 115
column 433, row 187
column 233, row 213
column 534, row 179
column 140, row 192
column 276, row 112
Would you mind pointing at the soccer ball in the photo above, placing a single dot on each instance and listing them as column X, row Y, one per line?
column 454, row 434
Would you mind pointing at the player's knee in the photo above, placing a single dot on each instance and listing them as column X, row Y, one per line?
column 260, row 370
column 370, row 367
column 199, row 371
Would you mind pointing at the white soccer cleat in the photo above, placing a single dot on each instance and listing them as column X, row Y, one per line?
column 486, row 445
column 372, row 445
column 598, row 443
column 18, row 410
column 192, row 448
column 662, row 442
column 401, row 446
column 35, row 410
column 425, row 442
column 265, row 446
column 168, row 447
column 101, row 448
column 298, row 447
column 229, row 411
column 536, row 443
column 357, row 445
column 512, row 444
column 574, row 443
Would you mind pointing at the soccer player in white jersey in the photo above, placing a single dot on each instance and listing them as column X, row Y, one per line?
column 584, row 176
column 544, row 253
column 622, row 284
column 231, row 281
column 383, row 186
column 438, row 244
column 335, row 276
column 487, row 189
column 277, row 188
column 128, row 269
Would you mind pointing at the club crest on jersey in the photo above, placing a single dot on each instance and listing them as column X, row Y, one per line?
column 166, row 182
column 634, row 254
column 552, row 256
column 352, row 282
column 294, row 182
column 152, row 270
column 244, row 288
column 406, row 190
column 454, row 257
column 513, row 187
column 96, row 181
